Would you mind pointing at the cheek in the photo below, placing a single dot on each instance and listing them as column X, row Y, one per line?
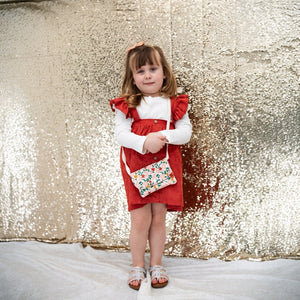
column 136, row 79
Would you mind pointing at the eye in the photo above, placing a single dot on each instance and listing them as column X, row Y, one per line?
column 140, row 71
column 153, row 69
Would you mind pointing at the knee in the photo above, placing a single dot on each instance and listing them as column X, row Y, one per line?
column 159, row 212
column 140, row 224
column 158, row 219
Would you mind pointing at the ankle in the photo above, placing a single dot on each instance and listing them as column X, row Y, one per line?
column 141, row 265
column 155, row 263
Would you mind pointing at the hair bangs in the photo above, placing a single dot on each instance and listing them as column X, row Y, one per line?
column 141, row 58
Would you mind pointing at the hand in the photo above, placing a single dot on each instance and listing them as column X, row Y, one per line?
column 154, row 142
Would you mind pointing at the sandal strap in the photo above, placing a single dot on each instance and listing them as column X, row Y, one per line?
column 136, row 273
column 158, row 272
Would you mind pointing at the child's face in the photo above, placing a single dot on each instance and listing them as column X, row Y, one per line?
column 149, row 79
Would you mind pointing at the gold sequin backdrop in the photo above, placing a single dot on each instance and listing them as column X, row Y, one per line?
column 61, row 62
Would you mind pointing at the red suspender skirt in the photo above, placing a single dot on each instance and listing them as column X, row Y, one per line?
column 172, row 195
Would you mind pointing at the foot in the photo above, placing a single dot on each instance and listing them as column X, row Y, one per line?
column 136, row 275
column 159, row 277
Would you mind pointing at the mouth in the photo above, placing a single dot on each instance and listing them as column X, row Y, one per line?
column 149, row 83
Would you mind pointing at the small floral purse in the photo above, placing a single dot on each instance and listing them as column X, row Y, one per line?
column 154, row 176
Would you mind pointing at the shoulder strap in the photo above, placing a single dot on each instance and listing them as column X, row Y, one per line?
column 167, row 127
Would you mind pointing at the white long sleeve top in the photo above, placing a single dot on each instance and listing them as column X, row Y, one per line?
column 151, row 108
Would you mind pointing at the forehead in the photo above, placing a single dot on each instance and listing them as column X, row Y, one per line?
column 148, row 55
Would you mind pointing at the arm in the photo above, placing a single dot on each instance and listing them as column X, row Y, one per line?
column 182, row 132
column 124, row 136
column 153, row 142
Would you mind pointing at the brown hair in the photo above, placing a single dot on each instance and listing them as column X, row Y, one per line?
column 138, row 57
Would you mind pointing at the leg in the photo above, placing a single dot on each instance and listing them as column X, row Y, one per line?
column 140, row 223
column 157, row 235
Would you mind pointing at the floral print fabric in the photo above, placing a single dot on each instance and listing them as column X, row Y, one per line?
column 153, row 177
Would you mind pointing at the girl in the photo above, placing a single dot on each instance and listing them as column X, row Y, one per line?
column 140, row 128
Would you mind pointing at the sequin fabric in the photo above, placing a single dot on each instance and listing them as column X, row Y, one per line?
column 62, row 61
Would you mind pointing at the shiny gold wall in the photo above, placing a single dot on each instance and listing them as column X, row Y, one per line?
column 60, row 63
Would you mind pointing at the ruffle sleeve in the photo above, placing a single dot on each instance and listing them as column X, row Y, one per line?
column 120, row 104
column 179, row 106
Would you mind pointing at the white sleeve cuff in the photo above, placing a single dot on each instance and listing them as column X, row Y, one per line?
column 140, row 145
column 167, row 134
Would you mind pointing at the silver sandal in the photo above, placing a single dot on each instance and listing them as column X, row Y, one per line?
column 157, row 272
column 136, row 273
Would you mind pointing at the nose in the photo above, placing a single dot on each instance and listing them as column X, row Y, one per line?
column 147, row 75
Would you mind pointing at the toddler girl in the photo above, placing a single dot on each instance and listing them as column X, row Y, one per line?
column 149, row 87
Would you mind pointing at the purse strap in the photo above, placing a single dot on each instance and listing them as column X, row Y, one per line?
column 167, row 128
